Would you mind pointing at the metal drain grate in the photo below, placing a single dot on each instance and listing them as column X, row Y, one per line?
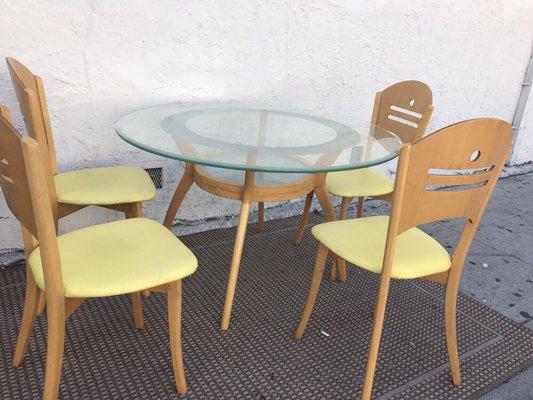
column 156, row 174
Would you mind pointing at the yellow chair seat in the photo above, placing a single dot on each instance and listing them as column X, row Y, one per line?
column 361, row 241
column 358, row 183
column 118, row 257
column 104, row 186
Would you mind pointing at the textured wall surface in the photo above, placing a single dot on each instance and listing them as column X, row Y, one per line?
column 102, row 59
column 523, row 151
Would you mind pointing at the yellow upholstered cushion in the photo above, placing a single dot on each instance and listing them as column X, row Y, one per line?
column 118, row 257
column 105, row 185
column 358, row 183
column 361, row 241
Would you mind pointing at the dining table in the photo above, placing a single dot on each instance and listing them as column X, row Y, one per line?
column 253, row 153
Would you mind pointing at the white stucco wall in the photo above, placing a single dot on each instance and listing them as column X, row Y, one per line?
column 102, row 59
column 523, row 151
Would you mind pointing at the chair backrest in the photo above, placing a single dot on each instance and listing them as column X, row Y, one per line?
column 463, row 161
column 404, row 109
column 466, row 159
column 25, row 189
column 14, row 179
column 29, row 90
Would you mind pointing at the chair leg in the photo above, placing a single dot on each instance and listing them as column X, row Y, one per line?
column 30, row 243
column 54, row 353
column 42, row 303
column 136, row 299
column 174, row 323
column 379, row 316
column 333, row 271
column 345, row 202
column 261, row 216
column 31, row 306
column 360, row 205
column 450, row 322
column 305, row 217
column 320, row 262
column 323, row 197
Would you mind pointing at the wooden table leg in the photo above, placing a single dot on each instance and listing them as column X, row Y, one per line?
column 304, row 219
column 327, row 208
column 183, row 187
column 237, row 248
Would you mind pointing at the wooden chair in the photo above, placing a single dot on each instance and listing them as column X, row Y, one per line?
column 116, row 258
column 121, row 188
column 395, row 248
column 405, row 109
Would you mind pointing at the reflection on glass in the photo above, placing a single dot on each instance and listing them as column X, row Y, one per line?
column 237, row 137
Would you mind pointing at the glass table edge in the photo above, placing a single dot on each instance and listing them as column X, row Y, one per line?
column 255, row 168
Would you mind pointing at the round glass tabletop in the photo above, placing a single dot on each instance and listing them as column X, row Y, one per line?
column 246, row 138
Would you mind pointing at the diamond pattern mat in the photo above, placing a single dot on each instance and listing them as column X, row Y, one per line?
column 258, row 358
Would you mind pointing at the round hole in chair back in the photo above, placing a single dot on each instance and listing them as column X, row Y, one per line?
column 475, row 155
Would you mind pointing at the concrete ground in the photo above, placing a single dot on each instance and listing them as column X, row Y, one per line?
column 499, row 267
column 498, row 270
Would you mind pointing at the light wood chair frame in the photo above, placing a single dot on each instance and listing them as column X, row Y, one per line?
column 413, row 204
column 29, row 90
column 25, row 186
column 398, row 96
